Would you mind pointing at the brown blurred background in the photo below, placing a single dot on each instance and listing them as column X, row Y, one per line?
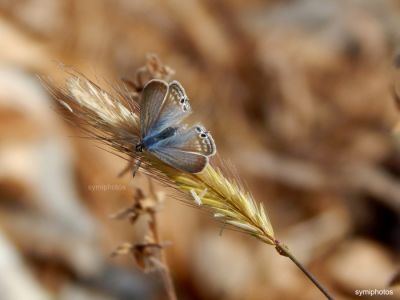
column 298, row 97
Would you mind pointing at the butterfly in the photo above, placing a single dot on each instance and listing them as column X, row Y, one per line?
column 163, row 108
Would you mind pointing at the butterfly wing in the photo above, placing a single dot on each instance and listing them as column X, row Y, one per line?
column 186, row 161
column 163, row 106
column 175, row 108
column 187, row 150
column 153, row 97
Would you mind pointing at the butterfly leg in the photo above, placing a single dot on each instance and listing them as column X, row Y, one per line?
column 135, row 167
column 132, row 166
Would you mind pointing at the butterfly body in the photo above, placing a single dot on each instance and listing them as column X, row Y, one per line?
column 150, row 142
column 164, row 106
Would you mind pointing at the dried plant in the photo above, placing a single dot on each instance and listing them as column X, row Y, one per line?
column 113, row 118
column 149, row 254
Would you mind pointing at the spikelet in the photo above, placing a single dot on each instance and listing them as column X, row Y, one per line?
column 113, row 119
column 224, row 197
column 104, row 108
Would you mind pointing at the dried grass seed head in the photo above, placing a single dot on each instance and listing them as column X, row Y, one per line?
column 114, row 120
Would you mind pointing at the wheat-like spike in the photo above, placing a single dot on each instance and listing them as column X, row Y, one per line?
column 113, row 121
column 224, row 198
column 101, row 106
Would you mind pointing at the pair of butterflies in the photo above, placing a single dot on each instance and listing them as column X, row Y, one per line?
column 163, row 108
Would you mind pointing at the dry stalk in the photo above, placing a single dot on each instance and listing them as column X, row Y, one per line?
column 150, row 254
column 166, row 274
column 113, row 118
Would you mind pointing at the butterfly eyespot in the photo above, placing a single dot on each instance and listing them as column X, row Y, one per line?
column 182, row 100
column 198, row 129
column 203, row 135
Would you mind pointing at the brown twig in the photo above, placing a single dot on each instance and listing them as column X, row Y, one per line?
column 284, row 251
column 162, row 264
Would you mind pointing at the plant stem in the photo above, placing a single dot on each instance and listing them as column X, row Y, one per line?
column 166, row 274
column 169, row 285
column 284, row 251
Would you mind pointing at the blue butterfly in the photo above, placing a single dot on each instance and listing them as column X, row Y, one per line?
column 163, row 108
